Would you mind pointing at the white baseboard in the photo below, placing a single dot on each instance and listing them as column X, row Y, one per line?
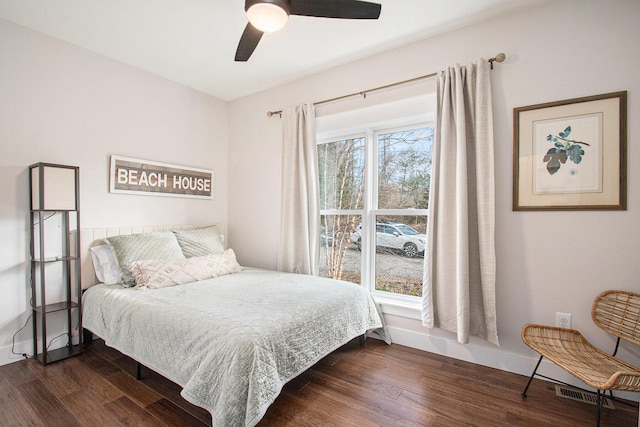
column 6, row 356
column 26, row 347
column 489, row 356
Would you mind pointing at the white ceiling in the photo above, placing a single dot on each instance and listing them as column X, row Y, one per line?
column 193, row 42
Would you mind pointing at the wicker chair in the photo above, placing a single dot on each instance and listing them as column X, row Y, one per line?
column 616, row 312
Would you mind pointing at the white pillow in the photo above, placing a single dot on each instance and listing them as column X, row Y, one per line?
column 106, row 265
column 200, row 241
column 135, row 247
column 154, row 274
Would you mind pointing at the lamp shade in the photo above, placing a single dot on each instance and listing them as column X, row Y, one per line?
column 268, row 16
column 54, row 187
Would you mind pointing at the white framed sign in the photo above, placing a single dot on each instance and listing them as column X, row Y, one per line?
column 136, row 176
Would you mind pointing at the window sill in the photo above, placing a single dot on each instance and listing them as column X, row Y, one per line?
column 408, row 307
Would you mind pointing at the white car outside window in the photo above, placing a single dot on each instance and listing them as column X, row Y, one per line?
column 394, row 235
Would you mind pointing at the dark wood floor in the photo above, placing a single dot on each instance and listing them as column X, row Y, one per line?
column 374, row 385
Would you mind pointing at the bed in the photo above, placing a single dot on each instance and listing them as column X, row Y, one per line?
column 231, row 341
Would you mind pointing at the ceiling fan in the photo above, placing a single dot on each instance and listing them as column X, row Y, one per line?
column 266, row 16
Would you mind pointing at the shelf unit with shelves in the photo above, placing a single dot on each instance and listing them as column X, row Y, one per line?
column 55, row 269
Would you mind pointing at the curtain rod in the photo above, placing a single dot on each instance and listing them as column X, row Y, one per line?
column 498, row 58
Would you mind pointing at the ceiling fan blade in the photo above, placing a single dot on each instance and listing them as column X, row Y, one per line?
column 346, row 9
column 248, row 42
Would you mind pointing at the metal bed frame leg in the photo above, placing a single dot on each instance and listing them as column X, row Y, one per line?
column 524, row 393
column 87, row 336
column 362, row 338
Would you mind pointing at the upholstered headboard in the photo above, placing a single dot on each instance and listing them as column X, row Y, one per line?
column 93, row 236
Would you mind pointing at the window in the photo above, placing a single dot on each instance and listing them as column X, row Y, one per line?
column 374, row 192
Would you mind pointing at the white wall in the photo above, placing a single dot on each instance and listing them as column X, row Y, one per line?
column 63, row 104
column 547, row 261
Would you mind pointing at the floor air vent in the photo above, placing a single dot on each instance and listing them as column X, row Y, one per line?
column 582, row 396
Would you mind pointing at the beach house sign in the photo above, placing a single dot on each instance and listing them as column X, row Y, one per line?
column 135, row 176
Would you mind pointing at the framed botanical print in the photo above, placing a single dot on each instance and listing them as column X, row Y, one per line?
column 571, row 154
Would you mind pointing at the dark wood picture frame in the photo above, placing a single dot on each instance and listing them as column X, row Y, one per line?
column 571, row 154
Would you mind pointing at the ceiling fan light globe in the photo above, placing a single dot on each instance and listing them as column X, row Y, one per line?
column 267, row 17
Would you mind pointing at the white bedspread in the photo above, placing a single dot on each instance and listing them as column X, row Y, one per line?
column 231, row 342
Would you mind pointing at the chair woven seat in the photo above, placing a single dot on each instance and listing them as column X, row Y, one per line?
column 617, row 313
column 571, row 351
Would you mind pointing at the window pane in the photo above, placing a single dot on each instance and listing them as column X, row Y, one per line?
column 404, row 168
column 341, row 170
column 400, row 242
column 339, row 256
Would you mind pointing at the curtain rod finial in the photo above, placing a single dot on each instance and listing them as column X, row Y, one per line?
column 273, row 113
column 498, row 58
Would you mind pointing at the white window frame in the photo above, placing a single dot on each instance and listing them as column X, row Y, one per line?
column 368, row 213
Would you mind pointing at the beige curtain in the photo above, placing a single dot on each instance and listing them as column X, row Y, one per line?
column 300, row 227
column 459, row 274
